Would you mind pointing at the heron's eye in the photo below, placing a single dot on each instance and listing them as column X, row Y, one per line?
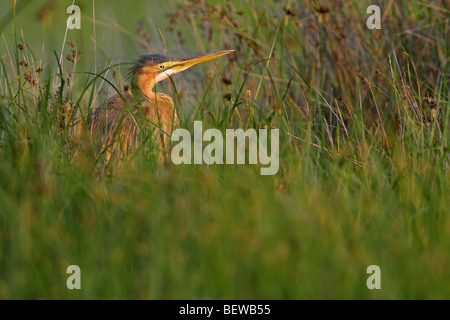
column 161, row 66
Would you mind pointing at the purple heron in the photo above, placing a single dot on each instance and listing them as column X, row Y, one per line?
column 114, row 125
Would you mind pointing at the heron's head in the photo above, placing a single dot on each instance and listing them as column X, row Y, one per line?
column 153, row 68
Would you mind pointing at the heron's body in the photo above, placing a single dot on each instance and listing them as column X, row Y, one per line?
column 115, row 124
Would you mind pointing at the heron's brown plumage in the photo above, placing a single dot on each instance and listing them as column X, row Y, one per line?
column 114, row 124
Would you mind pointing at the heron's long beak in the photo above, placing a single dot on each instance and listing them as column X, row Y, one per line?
column 183, row 64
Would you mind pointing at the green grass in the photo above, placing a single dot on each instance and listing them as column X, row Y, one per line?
column 364, row 157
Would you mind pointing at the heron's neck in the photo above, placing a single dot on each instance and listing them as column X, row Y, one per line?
column 143, row 84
